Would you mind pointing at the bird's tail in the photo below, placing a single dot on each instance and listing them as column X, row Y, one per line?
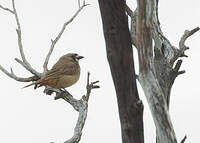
column 29, row 85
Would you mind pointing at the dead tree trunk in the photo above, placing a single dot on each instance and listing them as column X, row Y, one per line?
column 159, row 65
column 120, row 57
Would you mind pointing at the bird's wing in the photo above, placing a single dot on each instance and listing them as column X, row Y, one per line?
column 58, row 70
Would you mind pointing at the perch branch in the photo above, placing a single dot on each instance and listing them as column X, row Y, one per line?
column 79, row 105
column 53, row 42
column 13, row 76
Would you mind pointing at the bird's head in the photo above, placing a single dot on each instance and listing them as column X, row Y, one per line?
column 73, row 56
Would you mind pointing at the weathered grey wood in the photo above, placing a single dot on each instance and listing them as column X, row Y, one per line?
column 158, row 66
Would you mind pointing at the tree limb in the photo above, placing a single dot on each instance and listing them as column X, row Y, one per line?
column 133, row 16
column 153, row 72
column 143, row 32
column 79, row 105
column 182, row 46
column 13, row 76
column 53, row 42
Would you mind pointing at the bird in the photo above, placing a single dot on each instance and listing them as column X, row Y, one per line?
column 64, row 73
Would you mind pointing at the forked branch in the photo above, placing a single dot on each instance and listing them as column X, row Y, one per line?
column 79, row 105
column 24, row 62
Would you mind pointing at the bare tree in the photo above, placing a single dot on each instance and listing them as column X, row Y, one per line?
column 80, row 105
column 159, row 66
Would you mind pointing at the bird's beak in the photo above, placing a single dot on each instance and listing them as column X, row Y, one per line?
column 79, row 57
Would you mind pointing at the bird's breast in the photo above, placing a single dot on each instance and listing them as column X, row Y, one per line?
column 67, row 80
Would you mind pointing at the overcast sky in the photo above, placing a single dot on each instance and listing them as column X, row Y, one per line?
column 29, row 116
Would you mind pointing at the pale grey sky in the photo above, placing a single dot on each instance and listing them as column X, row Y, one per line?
column 29, row 116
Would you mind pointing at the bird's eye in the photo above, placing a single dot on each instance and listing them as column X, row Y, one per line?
column 75, row 55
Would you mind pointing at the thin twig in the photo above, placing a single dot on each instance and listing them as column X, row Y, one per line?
column 79, row 4
column 6, row 9
column 183, row 140
column 27, row 67
column 53, row 42
column 182, row 47
column 186, row 34
column 13, row 76
column 18, row 30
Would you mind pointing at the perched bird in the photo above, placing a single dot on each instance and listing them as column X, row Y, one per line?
column 63, row 74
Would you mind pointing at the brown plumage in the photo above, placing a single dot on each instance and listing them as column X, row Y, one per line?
column 63, row 74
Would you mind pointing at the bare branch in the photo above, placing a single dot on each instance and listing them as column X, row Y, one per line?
column 65, row 95
column 186, row 34
column 27, row 67
column 79, row 4
column 80, row 106
column 176, row 72
column 18, row 30
column 53, row 42
column 6, row 9
column 182, row 47
column 143, row 32
column 90, row 86
column 133, row 16
column 178, row 65
column 183, row 140
column 13, row 76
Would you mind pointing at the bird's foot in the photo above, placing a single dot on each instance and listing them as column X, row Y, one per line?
column 65, row 91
